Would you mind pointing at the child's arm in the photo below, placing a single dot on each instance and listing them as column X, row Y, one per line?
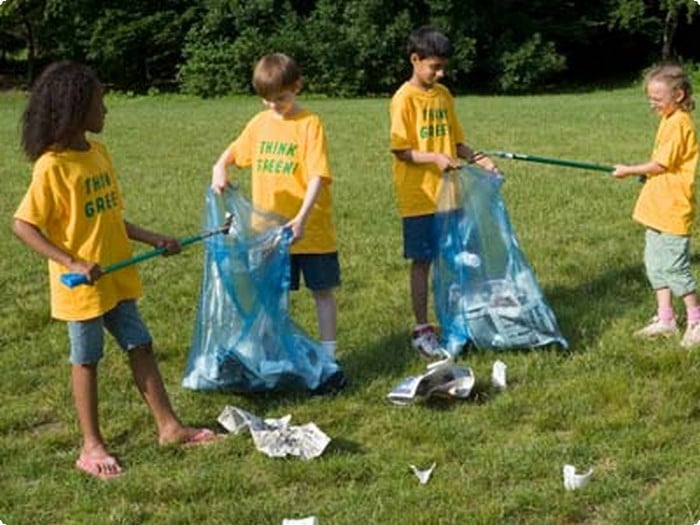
column 648, row 168
column 219, row 175
column 414, row 156
column 171, row 245
column 298, row 223
column 465, row 152
column 33, row 237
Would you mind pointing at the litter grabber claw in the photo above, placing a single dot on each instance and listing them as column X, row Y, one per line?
column 71, row 280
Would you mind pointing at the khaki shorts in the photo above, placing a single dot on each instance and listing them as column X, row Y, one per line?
column 667, row 261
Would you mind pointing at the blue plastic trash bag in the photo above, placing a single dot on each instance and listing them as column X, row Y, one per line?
column 244, row 339
column 484, row 288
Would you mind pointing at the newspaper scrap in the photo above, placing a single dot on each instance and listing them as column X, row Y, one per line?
column 442, row 379
column 572, row 480
column 311, row 520
column 423, row 475
column 498, row 375
column 276, row 437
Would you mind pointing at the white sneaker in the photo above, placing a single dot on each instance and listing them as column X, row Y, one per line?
column 426, row 342
column 657, row 327
column 691, row 337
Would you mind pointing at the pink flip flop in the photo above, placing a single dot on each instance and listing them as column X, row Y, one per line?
column 103, row 467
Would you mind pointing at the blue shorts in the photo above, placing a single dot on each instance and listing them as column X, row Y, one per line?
column 667, row 262
column 321, row 270
column 420, row 238
column 123, row 322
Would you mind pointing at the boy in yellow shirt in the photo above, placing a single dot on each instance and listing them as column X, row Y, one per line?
column 426, row 140
column 666, row 204
column 285, row 147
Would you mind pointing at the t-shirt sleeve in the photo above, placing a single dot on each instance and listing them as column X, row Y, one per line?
column 669, row 144
column 456, row 129
column 241, row 149
column 400, row 125
column 317, row 151
column 38, row 204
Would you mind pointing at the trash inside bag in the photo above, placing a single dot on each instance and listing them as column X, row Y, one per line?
column 244, row 339
column 485, row 290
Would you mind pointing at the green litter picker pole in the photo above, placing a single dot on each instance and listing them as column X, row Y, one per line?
column 548, row 160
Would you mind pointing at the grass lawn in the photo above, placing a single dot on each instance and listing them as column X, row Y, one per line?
column 628, row 409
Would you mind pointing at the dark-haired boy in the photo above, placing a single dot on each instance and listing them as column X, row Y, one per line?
column 426, row 140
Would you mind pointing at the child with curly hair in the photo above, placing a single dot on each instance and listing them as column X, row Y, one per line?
column 72, row 214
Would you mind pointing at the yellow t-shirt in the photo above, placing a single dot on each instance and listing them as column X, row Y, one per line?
column 425, row 121
column 284, row 154
column 667, row 200
column 74, row 198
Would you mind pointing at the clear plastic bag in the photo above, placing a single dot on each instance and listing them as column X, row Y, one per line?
column 484, row 288
column 244, row 338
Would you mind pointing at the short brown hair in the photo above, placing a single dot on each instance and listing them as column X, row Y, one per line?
column 275, row 73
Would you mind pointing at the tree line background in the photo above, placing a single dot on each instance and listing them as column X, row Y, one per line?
column 346, row 47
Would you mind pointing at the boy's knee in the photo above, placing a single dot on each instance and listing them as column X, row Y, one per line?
column 142, row 349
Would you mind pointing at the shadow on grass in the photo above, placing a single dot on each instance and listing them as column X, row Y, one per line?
column 388, row 356
column 345, row 446
column 586, row 311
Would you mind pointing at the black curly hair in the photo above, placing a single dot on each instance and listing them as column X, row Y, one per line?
column 57, row 108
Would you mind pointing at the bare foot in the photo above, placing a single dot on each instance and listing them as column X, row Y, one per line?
column 99, row 463
column 188, row 436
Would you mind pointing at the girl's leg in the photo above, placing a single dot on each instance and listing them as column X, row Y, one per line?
column 94, row 451
column 150, row 384
column 664, row 304
column 691, row 304
column 691, row 338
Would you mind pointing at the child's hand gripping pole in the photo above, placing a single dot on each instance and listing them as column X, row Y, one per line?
column 548, row 160
column 71, row 280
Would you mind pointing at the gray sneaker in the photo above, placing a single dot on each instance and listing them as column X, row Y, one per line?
column 691, row 337
column 657, row 328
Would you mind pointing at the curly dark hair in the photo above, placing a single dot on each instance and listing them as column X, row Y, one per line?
column 58, row 104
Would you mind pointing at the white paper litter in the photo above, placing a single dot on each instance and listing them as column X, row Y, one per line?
column 423, row 475
column 572, row 480
column 498, row 374
column 276, row 437
column 311, row 520
column 442, row 379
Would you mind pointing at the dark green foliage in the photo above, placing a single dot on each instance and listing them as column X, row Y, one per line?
column 222, row 48
column 347, row 47
column 530, row 65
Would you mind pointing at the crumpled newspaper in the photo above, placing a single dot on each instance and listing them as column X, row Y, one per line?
column 441, row 379
column 276, row 437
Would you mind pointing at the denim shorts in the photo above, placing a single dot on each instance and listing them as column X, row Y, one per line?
column 321, row 271
column 667, row 261
column 123, row 322
column 420, row 239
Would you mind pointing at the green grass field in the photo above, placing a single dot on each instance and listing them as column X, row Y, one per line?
column 628, row 409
